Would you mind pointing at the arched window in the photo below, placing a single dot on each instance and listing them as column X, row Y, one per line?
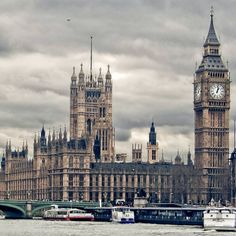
column 71, row 162
column 89, row 126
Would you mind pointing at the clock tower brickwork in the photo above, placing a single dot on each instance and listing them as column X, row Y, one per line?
column 211, row 108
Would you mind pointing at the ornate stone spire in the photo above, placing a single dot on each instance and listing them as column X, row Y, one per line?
column 60, row 134
column 212, row 37
column 108, row 75
column 49, row 136
column 65, row 135
column 152, row 135
column 100, row 79
column 81, row 74
column 73, row 77
column 211, row 60
column 178, row 159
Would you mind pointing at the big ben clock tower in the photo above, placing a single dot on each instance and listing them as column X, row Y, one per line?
column 211, row 108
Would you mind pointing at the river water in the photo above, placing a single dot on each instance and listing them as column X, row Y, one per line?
column 58, row 228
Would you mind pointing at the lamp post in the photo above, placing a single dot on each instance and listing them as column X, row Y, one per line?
column 8, row 195
column 81, row 196
column 171, row 197
column 105, row 196
column 28, row 195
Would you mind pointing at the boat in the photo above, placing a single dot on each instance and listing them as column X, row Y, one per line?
column 2, row 216
column 219, row 218
column 122, row 215
column 72, row 214
column 81, row 215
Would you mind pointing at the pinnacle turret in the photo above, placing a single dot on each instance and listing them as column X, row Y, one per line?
column 100, row 79
column 73, row 77
column 65, row 134
column 178, row 159
column 81, row 74
column 108, row 74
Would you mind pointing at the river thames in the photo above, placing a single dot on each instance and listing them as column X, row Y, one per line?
column 58, row 228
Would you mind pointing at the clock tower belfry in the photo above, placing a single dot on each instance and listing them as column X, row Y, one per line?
column 211, row 110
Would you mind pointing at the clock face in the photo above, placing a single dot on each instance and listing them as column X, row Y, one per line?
column 197, row 91
column 217, row 91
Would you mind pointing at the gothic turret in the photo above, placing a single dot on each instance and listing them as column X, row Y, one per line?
column 189, row 160
column 81, row 75
column 152, row 146
column 178, row 159
column 108, row 83
column 65, row 135
column 152, row 135
column 73, row 104
column 100, row 79
column 43, row 138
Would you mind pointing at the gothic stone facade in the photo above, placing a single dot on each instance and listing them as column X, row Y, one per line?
column 84, row 166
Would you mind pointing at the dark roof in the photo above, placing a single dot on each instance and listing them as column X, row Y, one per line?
column 212, row 37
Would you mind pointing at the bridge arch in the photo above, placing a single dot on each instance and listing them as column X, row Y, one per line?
column 12, row 211
column 35, row 210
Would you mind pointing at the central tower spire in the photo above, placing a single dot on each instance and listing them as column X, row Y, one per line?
column 91, row 59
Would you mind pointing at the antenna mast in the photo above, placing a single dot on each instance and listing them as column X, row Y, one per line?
column 91, row 59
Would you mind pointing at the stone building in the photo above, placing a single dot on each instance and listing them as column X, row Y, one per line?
column 84, row 166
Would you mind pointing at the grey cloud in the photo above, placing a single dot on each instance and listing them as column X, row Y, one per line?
column 122, row 135
column 152, row 47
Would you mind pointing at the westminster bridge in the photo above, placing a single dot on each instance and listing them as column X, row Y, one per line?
column 31, row 208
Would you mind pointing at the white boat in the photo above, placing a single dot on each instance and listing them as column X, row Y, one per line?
column 2, row 216
column 219, row 218
column 122, row 215
column 73, row 214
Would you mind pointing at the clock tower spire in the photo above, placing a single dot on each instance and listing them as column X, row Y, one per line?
column 211, row 109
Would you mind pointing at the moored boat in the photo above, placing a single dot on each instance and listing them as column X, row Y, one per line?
column 73, row 214
column 219, row 218
column 80, row 215
column 2, row 216
column 122, row 215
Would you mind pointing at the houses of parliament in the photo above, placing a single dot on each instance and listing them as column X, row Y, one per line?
column 81, row 164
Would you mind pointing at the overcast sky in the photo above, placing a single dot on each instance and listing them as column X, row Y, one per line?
column 151, row 46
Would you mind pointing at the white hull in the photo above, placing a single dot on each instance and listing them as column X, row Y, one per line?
column 122, row 215
column 67, row 214
column 222, row 219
